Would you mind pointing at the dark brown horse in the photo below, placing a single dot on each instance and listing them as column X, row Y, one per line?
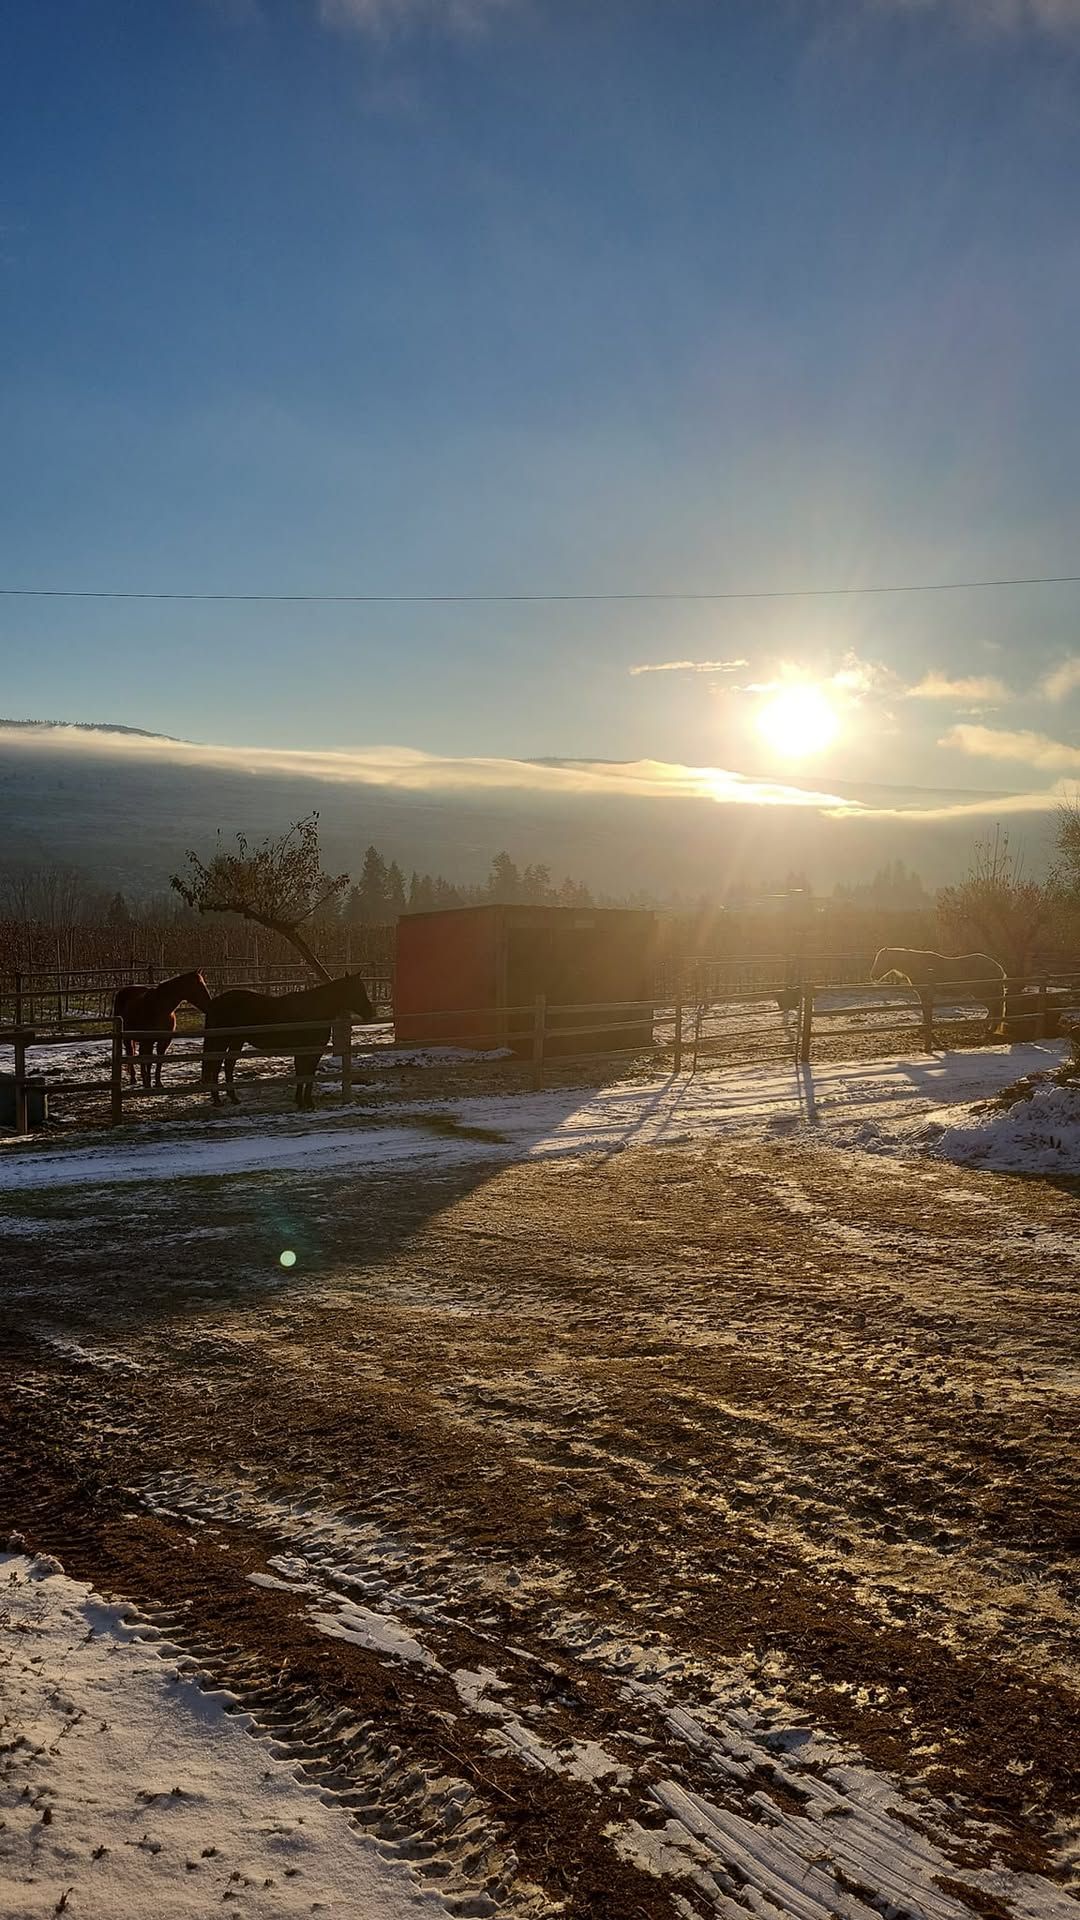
column 242, row 1017
column 151, row 1013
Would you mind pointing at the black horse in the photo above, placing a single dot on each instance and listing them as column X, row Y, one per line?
column 240, row 1017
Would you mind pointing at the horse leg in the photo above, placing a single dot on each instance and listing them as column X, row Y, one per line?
column 146, row 1058
column 926, row 1002
column 160, row 1051
column 129, row 1056
column 305, row 1065
column 211, row 1067
column 231, row 1055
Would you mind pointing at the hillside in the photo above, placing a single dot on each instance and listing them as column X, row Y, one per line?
column 103, row 799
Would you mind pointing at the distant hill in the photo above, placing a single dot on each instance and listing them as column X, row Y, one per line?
column 126, row 817
column 90, row 726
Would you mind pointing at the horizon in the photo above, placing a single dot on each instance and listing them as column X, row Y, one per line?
column 130, row 804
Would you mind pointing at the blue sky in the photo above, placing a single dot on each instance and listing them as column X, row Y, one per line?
column 546, row 295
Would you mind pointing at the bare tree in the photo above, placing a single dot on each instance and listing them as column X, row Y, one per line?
column 1068, row 844
column 52, row 896
column 279, row 884
column 999, row 908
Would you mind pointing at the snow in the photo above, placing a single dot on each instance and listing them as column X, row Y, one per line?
column 375, row 1631
column 860, row 1103
column 128, row 1788
column 1040, row 1135
column 323, row 1148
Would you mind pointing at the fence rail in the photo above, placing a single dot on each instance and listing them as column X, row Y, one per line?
column 63, row 997
column 784, row 1020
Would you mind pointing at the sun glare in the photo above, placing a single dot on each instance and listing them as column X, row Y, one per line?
column 798, row 721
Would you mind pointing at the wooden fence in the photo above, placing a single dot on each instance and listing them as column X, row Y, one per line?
column 751, row 1026
column 60, row 997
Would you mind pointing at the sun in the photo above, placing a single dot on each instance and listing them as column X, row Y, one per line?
column 798, row 721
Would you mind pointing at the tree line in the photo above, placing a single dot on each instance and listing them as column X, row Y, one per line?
column 382, row 893
column 280, row 889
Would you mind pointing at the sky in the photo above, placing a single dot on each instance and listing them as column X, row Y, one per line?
column 567, row 297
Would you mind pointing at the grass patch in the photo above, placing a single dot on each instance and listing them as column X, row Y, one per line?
column 448, row 1127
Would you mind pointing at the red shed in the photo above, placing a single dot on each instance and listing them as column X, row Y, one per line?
column 470, row 977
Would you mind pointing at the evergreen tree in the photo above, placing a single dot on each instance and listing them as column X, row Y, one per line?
column 504, row 881
column 373, row 904
column 421, row 893
column 395, row 890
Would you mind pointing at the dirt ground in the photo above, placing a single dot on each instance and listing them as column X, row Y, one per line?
column 683, row 1532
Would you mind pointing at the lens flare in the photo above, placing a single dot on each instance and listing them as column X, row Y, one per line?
column 799, row 720
column 288, row 1258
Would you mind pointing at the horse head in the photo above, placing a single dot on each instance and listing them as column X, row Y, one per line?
column 358, row 1001
column 884, row 967
column 198, row 993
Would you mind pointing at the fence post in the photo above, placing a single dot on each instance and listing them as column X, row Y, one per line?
column 18, row 998
column 22, row 1117
column 806, row 1025
column 116, row 1077
column 678, row 1028
column 539, row 1025
column 343, row 1049
column 1042, row 1023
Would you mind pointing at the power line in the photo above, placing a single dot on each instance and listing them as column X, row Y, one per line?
column 537, row 599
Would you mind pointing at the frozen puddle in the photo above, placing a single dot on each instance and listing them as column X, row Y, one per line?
column 128, row 1791
column 753, row 1812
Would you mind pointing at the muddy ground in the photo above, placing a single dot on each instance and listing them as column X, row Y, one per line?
column 668, row 1532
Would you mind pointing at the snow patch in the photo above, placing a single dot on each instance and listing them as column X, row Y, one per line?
column 132, row 1791
column 378, row 1632
column 673, row 1110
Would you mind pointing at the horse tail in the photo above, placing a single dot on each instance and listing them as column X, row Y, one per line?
column 213, row 1053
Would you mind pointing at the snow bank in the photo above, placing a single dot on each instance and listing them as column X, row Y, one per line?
column 131, row 1791
column 1040, row 1135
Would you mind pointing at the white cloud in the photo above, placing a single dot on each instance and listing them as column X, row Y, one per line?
column 1031, row 749
column 853, row 681
column 408, row 768
column 385, row 18
column 940, row 686
column 992, row 806
column 688, row 666
column 1061, row 680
